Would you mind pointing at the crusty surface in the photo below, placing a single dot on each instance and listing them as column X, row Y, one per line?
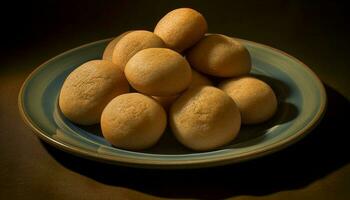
column 204, row 118
column 133, row 121
column 88, row 89
column 132, row 43
column 181, row 28
column 108, row 52
column 219, row 55
column 158, row 72
column 255, row 99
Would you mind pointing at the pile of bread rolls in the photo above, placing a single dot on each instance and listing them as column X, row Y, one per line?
column 170, row 70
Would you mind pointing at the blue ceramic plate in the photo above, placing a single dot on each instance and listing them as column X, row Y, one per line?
column 301, row 96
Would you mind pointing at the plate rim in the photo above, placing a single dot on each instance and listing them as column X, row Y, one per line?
column 175, row 164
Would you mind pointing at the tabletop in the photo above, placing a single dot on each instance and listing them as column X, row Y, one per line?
column 317, row 167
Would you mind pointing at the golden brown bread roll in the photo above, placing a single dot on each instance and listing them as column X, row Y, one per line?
column 108, row 52
column 158, row 72
column 181, row 28
column 204, row 118
column 197, row 80
column 88, row 89
column 133, row 121
column 219, row 55
column 132, row 43
column 255, row 99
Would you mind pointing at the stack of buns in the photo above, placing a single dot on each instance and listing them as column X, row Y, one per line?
column 171, row 71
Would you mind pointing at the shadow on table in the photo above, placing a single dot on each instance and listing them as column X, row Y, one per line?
column 321, row 152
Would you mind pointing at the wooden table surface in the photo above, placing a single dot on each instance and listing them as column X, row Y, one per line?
column 317, row 167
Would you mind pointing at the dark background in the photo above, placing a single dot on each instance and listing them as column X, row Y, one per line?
column 316, row 32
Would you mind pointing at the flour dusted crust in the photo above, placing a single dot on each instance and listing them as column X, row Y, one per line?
column 108, row 52
column 133, row 121
column 132, row 43
column 204, row 118
column 255, row 99
column 181, row 28
column 219, row 55
column 88, row 89
column 158, row 72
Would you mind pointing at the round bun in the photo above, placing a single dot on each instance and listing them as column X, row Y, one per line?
column 219, row 55
column 197, row 80
column 133, row 121
column 88, row 89
column 108, row 52
column 204, row 118
column 181, row 28
column 132, row 43
column 254, row 98
column 158, row 72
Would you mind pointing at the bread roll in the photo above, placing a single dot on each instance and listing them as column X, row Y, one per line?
column 181, row 28
column 88, row 89
column 108, row 52
column 254, row 98
column 132, row 43
column 133, row 121
column 219, row 55
column 197, row 80
column 204, row 118
column 158, row 72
